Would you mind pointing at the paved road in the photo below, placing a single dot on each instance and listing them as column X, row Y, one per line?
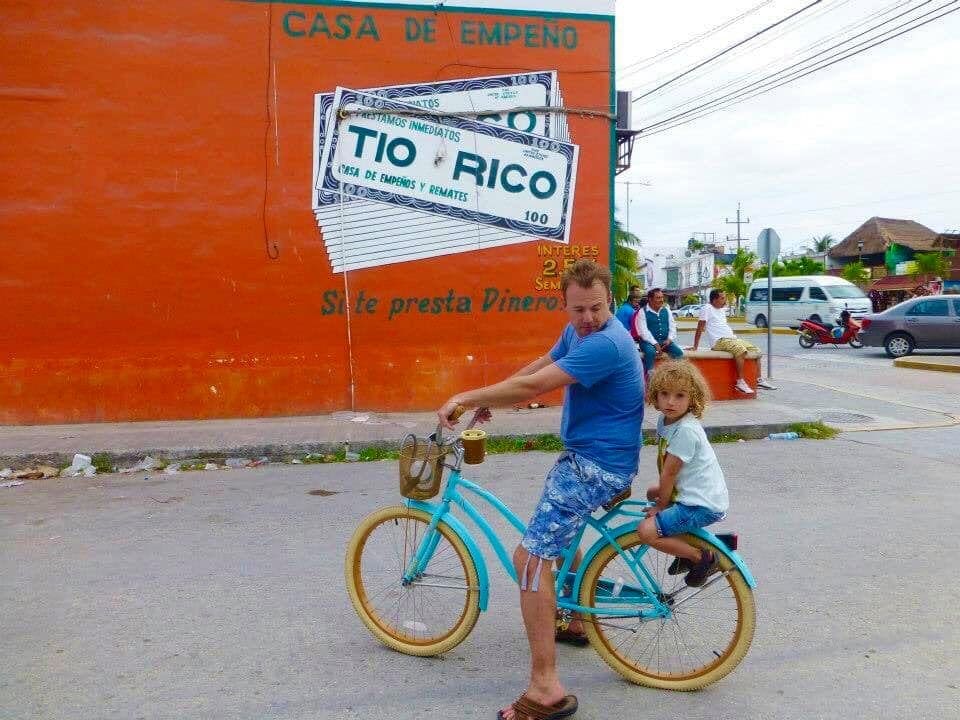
column 220, row 595
column 867, row 374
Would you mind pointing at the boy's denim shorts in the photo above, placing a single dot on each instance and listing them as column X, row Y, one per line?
column 679, row 518
column 574, row 488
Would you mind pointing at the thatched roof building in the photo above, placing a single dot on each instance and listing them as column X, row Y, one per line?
column 878, row 234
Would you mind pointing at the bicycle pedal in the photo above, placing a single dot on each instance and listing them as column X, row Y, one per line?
column 731, row 540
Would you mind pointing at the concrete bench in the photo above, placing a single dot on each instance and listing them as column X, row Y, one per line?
column 720, row 372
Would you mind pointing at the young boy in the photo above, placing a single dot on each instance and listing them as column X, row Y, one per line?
column 691, row 492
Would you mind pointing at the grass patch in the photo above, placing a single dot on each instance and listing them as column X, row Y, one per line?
column 102, row 462
column 727, row 438
column 814, row 430
column 192, row 465
column 378, row 453
column 512, row 444
column 320, row 458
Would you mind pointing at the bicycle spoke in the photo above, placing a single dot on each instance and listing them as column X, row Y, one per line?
column 699, row 628
column 434, row 603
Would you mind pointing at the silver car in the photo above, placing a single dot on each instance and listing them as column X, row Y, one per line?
column 926, row 323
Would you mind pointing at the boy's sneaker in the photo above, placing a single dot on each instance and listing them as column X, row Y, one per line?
column 766, row 384
column 742, row 386
column 679, row 566
column 702, row 570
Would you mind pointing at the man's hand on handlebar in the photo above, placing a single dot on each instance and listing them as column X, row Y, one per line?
column 450, row 412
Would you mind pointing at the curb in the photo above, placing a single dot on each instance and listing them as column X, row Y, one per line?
column 763, row 331
column 924, row 364
column 747, row 330
column 286, row 451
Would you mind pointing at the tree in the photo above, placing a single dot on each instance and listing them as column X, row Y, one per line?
column 625, row 260
column 854, row 272
column 791, row 267
column 732, row 282
column 930, row 264
column 800, row 266
column 823, row 243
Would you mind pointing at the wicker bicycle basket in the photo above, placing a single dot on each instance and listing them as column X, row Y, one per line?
column 421, row 467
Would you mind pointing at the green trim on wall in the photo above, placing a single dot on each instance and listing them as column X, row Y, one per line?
column 433, row 8
column 613, row 142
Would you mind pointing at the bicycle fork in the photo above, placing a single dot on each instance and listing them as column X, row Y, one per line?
column 424, row 553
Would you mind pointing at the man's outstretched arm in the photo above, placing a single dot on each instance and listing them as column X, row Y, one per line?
column 516, row 388
column 538, row 364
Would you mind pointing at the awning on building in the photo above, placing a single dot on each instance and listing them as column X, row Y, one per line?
column 892, row 283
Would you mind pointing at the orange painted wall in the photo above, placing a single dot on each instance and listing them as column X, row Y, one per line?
column 154, row 153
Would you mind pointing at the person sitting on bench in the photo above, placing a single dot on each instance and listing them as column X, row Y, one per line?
column 657, row 330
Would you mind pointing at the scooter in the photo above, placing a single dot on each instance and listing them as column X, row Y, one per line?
column 813, row 333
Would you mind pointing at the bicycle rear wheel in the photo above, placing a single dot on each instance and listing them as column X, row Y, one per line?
column 427, row 616
column 708, row 633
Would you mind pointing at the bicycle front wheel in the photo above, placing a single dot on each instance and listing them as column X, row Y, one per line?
column 432, row 613
column 708, row 632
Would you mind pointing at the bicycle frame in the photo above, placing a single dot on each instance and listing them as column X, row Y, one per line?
column 646, row 590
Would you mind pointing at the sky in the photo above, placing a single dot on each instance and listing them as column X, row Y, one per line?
column 875, row 135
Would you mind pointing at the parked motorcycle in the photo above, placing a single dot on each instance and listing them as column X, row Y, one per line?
column 813, row 333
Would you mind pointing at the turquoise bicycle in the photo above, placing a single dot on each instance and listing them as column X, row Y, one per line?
column 418, row 580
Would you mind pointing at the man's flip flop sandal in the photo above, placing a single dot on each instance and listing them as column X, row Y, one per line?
column 526, row 709
column 572, row 638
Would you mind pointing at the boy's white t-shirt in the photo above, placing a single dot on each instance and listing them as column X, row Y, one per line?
column 700, row 480
column 717, row 326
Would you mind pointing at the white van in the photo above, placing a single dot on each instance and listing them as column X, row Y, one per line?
column 816, row 297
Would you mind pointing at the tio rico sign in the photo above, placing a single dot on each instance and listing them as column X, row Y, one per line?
column 388, row 151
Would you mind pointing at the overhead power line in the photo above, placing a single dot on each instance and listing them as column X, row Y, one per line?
column 773, row 63
column 805, row 60
column 729, row 49
column 743, row 94
column 669, row 52
column 785, row 29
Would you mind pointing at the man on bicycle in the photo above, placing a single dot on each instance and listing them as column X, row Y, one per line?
column 597, row 361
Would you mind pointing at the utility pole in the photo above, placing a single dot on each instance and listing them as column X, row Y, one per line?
column 628, row 183
column 738, row 222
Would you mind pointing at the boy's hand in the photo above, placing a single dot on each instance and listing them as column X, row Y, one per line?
column 652, row 510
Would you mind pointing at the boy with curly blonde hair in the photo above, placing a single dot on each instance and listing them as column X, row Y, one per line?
column 691, row 493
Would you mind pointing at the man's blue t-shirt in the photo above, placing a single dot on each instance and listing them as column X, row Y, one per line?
column 603, row 410
column 625, row 314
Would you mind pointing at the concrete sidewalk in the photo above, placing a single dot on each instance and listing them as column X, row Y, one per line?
column 283, row 437
column 852, row 392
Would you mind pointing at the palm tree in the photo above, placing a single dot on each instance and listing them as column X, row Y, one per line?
column 625, row 260
column 854, row 272
column 732, row 283
column 823, row 243
column 930, row 264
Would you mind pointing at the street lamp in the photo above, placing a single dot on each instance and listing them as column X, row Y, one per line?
column 860, row 251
